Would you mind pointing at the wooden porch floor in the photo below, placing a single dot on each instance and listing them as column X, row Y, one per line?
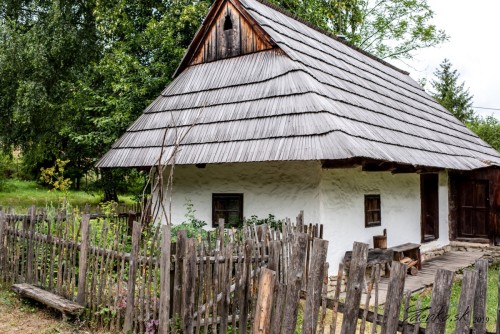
column 452, row 261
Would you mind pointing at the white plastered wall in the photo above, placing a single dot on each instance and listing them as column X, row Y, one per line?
column 333, row 197
column 278, row 188
column 342, row 209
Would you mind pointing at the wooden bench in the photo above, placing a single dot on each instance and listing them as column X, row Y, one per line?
column 382, row 257
column 408, row 250
column 66, row 307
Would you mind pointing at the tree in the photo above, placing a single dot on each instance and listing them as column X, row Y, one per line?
column 451, row 94
column 457, row 99
column 488, row 129
column 386, row 28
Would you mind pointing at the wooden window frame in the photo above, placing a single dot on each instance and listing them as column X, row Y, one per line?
column 218, row 196
column 368, row 221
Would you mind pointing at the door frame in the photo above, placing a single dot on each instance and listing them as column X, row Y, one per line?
column 425, row 199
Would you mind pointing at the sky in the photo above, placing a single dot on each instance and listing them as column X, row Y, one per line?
column 473, row 49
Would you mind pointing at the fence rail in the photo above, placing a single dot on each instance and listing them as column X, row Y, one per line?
column 256, row 279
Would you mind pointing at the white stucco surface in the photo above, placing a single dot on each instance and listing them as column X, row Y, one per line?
column 333, row 197
column 342, row 209
column 278, row 188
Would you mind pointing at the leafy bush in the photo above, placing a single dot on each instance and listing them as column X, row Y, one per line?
column 271, row 221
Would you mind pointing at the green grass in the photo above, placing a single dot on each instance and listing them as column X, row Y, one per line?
column 22, row 194
column 491, row 301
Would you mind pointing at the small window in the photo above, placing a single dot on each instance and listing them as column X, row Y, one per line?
column 228, row 23
column 372, row 211
column 228, row 207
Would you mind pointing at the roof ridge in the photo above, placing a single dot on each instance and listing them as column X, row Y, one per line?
column 330, row 34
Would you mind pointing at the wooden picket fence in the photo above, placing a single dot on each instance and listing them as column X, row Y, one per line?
column 255, row 279
column 136, row 279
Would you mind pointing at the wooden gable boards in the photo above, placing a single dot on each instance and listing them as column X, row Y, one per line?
column 228, row 31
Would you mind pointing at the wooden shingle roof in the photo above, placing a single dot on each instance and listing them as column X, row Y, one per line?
column 309, row 97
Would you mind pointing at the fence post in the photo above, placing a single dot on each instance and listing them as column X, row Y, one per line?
column 164, row 280
column 469, row 283
column 315, row 286
column 30, row 231
column 479, row 320
column 393, row 300
column 440, row 302
column 180, row 250
column 354, row 287
column 263, row 307
column 2, row 232
column 294, row 284
column 129, row 312
column 188, row 286
column 82, row 264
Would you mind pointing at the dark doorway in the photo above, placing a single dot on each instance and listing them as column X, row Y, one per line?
column 429, row 186
column 473, row 209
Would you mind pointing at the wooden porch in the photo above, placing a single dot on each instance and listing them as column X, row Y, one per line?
column 453, row 261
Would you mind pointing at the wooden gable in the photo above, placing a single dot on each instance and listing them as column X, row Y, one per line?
column 228, row 31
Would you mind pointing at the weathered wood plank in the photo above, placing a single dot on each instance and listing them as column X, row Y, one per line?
column 315, row 286
column 469, row 283
column 440, row 302
column 479, row 323
column 263, row 306
column 164, row 280
column 188, row 289
column 50, row 299
column 394, row 295
column 294, row 284
column 129, row 312
column 82, row 264
column 354, row 287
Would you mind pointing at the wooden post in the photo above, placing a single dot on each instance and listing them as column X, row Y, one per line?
column 164, row 280
column 479, row 323
column 354, row 287
column 29, row 254
column 129, row 312
column 245, row 291
column 393, row 300
column 294, row 283
column 440, row 302
column 180, row 251
column 188, row 286
column 315, row 286
column 2, row 251
column 498, row 305
column 263, row 307
column 82, row 264
column 469, row 283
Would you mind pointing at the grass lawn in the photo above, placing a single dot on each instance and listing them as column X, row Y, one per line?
column 491, row 301
column 23, row 194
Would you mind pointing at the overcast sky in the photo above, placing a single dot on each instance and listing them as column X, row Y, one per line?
column 473, row 49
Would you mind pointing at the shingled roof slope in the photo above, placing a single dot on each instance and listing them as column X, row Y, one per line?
column 311, row 98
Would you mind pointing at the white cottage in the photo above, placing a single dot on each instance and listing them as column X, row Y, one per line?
column 279, row 117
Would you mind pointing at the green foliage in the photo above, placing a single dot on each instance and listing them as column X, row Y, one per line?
column 192, row 225
column 54, row 176
column 385, row 28
column 488, row 129
column 271, row 221
column 451, row 94
column 491, row 301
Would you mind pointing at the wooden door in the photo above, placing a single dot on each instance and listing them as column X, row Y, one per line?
column 473, row 210
column 429, row 186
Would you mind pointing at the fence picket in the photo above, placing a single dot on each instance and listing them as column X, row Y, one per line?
column 469, row 283
column 440, row 302
column 479, row 323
